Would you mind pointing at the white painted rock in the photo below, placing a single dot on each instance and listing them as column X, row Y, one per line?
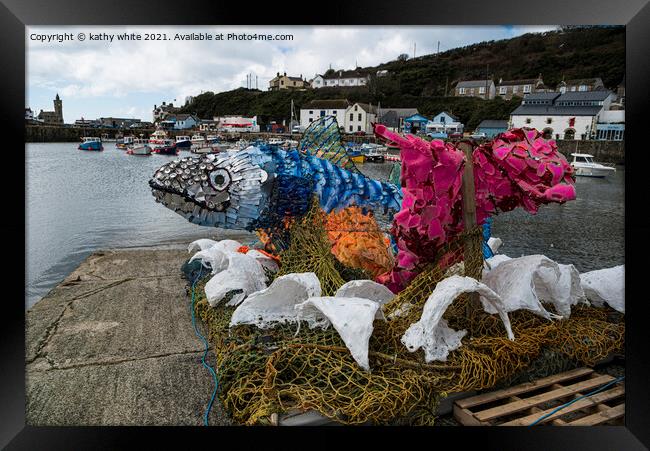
column 213, row 258
column 605, row 286
column 494, row 244
column 201, row 244
column 366, row 289
column 243, row 273
column 522, row 283
column 432, row 333
column 264, row 260
column 276, row 303
column 351, row 317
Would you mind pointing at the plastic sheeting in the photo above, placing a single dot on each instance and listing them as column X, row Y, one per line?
column 524, row 282
column 244, row 274
column 605, row 286
column 276, row 303
column 432, row 333
column 351, row 317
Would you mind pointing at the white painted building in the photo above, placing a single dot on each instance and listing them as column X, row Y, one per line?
column 573, row 115
column 316, row 109
column 444, row 123
column 341, row 78
column 359, row 117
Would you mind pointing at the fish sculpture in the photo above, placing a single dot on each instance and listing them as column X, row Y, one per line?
column 258, row 187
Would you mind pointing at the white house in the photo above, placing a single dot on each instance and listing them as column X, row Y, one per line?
column 444, row 123
column 359, row 117
column 315, row 109
column 29, row 114
column 341, row 78
column 183, row 121
column 573, row 115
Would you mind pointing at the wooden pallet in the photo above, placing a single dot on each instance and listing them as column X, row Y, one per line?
column 523, row 404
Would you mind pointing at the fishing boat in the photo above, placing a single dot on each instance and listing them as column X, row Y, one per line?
column 374, row 153
column 584, row 166
column 213, row 138
column 158, row 137
column 166, row 147
column 198, row 139
column 183, row 142
column 124, row 143
column 139, row 149
column 91, row 143
column 356, row 155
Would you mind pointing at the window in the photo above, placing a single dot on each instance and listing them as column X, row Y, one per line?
column 503, row 90
column 549, row 120
column 582, row 88
column 573, row 88
column 351, row 116
column 528, row 120
column 481, row 90
column 311, row 119
column 527, row 88
column 356, row 108
column 311, row 112
column 461, row 90
column 359, row 128
column 359, row 116
column 322, row 113
column 350, row 126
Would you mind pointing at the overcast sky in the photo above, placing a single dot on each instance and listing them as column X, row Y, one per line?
column 126, row 78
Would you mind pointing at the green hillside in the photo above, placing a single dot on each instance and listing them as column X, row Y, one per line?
column 423, row 82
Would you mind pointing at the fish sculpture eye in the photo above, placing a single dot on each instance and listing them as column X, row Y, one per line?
column 220, row 179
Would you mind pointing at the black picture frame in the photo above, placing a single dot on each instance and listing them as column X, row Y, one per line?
column 635, row 14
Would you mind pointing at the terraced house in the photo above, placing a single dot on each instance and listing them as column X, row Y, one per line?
column 507, row 89
column 483, row 89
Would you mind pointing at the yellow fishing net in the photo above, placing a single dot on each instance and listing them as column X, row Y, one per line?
column 263, row 372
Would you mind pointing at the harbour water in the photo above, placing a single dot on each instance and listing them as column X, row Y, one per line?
column 78, row 202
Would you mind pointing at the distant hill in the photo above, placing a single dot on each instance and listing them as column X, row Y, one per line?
column 427, row 82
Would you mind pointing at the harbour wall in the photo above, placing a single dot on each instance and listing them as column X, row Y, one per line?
column 603, row 151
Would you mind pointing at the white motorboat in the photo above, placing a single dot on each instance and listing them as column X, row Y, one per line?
column 276, row 141
column 584, row 166
column 139, row 149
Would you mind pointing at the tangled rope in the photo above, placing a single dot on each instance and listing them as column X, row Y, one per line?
column 264, row 372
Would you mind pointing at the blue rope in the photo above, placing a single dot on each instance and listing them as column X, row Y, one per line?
column 577, row 399
column 205, row 353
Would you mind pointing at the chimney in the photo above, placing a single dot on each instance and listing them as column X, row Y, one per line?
column 285, row 74
column 278, row 74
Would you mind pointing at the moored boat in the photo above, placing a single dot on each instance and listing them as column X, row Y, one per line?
column 183, row 142
column 585, row 166
column 125, row 142
column 91, row 143
column 164, row 146
column 209, row 148
column 139, row 149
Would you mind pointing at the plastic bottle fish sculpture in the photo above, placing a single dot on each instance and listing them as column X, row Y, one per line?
column 258, row 187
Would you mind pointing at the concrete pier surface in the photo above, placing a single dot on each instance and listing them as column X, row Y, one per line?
column 113, row 344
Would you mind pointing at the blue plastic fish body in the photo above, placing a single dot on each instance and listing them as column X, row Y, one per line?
column 261, row 185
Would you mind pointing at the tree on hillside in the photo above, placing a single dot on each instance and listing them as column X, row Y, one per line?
column 403, row 57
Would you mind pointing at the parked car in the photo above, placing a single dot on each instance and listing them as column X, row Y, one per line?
column 478, row 136
column 437, row 135
column 455, row 135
